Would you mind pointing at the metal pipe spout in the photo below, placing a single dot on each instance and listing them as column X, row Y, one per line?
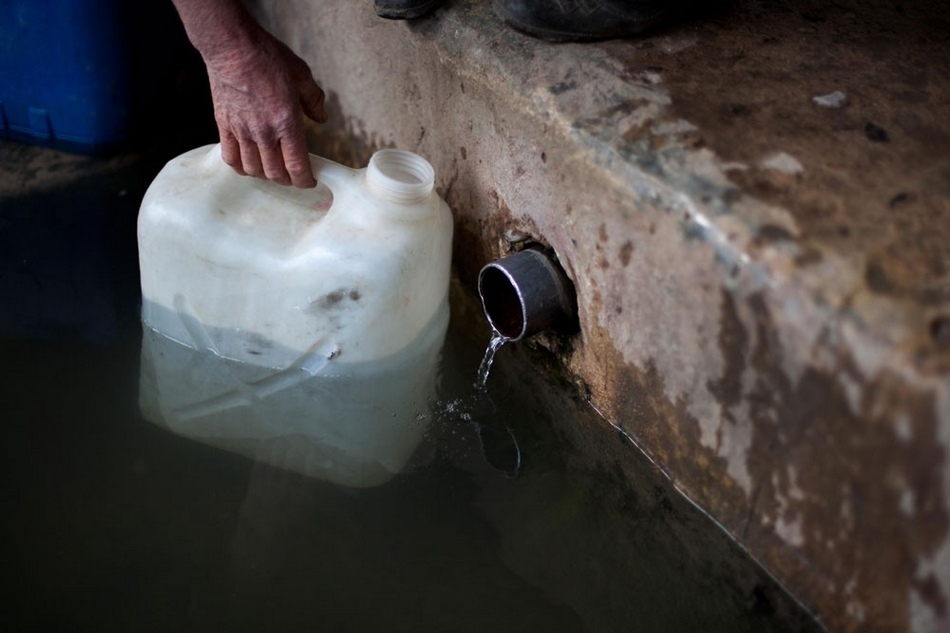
column 525, row 293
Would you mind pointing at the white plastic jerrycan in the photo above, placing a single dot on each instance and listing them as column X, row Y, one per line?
column 355, row 268
column 301, row 327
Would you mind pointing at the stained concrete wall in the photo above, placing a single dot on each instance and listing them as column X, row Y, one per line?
column 760, row 262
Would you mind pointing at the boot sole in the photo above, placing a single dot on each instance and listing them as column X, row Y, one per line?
column 550, row 35
column 413, row 13
column 555, row 35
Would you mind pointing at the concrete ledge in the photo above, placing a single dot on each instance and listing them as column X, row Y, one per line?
column 754, row 207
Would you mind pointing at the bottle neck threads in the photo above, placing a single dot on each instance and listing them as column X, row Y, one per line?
column 400, row 176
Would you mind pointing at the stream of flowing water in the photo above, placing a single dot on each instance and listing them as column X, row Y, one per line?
column 495, row 344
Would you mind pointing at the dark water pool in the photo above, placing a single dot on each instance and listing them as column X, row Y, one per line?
column 506, row 518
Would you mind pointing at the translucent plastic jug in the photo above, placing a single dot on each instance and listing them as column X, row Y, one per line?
column 355, row 268
column 279, row 318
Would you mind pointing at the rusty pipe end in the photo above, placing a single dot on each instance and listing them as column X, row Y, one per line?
column 525, row 293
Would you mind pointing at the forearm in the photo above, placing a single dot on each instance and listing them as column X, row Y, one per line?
column 261, row 91
column 218, row 28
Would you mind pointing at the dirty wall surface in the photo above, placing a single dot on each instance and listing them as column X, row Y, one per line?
column 754, row 207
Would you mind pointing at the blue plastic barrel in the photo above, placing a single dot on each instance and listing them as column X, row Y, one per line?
column 73, row 72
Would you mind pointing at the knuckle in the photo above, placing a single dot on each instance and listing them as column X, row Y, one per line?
column 287, row 124
column 259, row 132
column 297, row 166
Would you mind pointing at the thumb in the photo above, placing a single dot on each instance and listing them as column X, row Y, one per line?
column 313, row 101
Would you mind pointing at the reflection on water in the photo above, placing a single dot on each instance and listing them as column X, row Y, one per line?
column 477, row 411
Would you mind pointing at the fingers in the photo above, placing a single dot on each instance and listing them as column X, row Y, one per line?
column 230, row 149
column 313, row 101
column 272, row 161
column 297, row 161
column 262, row 133
column 249, row 156
column 284, row 160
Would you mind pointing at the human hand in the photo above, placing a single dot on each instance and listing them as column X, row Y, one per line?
column 261, row 92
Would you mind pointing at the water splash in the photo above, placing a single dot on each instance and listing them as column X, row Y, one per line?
column 496, row 342
column 471, row 422
column 497, row 443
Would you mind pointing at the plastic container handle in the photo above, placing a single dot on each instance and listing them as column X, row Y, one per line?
column 334, row 175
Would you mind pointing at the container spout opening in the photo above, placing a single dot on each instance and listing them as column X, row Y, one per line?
column 526, row 293
column 400, row 176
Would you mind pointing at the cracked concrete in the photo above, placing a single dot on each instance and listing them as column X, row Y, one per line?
column 754, row 206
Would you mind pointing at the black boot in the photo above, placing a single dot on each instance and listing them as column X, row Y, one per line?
column 580, row 20
column 405, row 9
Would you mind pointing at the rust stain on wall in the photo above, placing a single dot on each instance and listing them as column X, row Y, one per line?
column 817, row 514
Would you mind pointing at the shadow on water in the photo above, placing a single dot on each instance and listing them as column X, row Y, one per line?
column 501, row 520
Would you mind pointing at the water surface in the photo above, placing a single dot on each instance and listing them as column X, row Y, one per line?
column 504, row 518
